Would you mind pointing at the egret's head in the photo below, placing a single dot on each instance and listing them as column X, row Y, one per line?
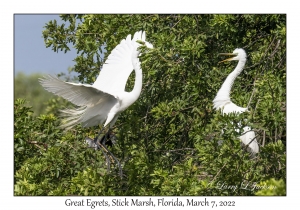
column 143, row 38
column 239, row 54
column 140, row 38
column 149, row 45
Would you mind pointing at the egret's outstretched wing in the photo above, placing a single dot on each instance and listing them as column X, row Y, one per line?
column 94, row 104
column 78, row 94
column 119, row 65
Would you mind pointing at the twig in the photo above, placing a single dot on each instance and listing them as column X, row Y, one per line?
column 218, row 172
column 275, row 50
column 251, row 94
column 264, row 139
column 173, row 150
column 35, row 143
column 263, row 57
column 255, row 107
column 177, row 22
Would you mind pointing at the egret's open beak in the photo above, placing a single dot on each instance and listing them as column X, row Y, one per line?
column 228, row 59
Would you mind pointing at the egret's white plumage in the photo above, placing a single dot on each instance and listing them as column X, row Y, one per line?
column 222, row 100
column 103, row 101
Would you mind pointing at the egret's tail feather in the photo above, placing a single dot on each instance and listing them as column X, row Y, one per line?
column 72, row 117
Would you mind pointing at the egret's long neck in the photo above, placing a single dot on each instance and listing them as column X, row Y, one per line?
column 135, row 93
column 224, row 92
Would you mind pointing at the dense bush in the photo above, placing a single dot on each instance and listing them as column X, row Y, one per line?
column 167, row 141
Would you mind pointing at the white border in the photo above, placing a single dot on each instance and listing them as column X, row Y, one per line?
column 8, row 201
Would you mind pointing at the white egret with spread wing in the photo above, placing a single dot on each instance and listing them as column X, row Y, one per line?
column 222, row 100
column 103, row 101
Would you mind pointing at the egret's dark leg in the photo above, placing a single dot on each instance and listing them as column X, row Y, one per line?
column 98, row 145
column 93, row 144
column 101, row 144
column 97, row 137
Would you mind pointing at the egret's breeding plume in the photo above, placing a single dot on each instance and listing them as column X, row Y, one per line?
column 222, row 100
column 103, row 101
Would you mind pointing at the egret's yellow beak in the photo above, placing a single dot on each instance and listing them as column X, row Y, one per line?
column 228, row 59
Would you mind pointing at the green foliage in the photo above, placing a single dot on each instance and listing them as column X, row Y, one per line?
column 272, row 187
column 27, row 86
column 45, row 158
column 168, row 141
column 41, row 101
